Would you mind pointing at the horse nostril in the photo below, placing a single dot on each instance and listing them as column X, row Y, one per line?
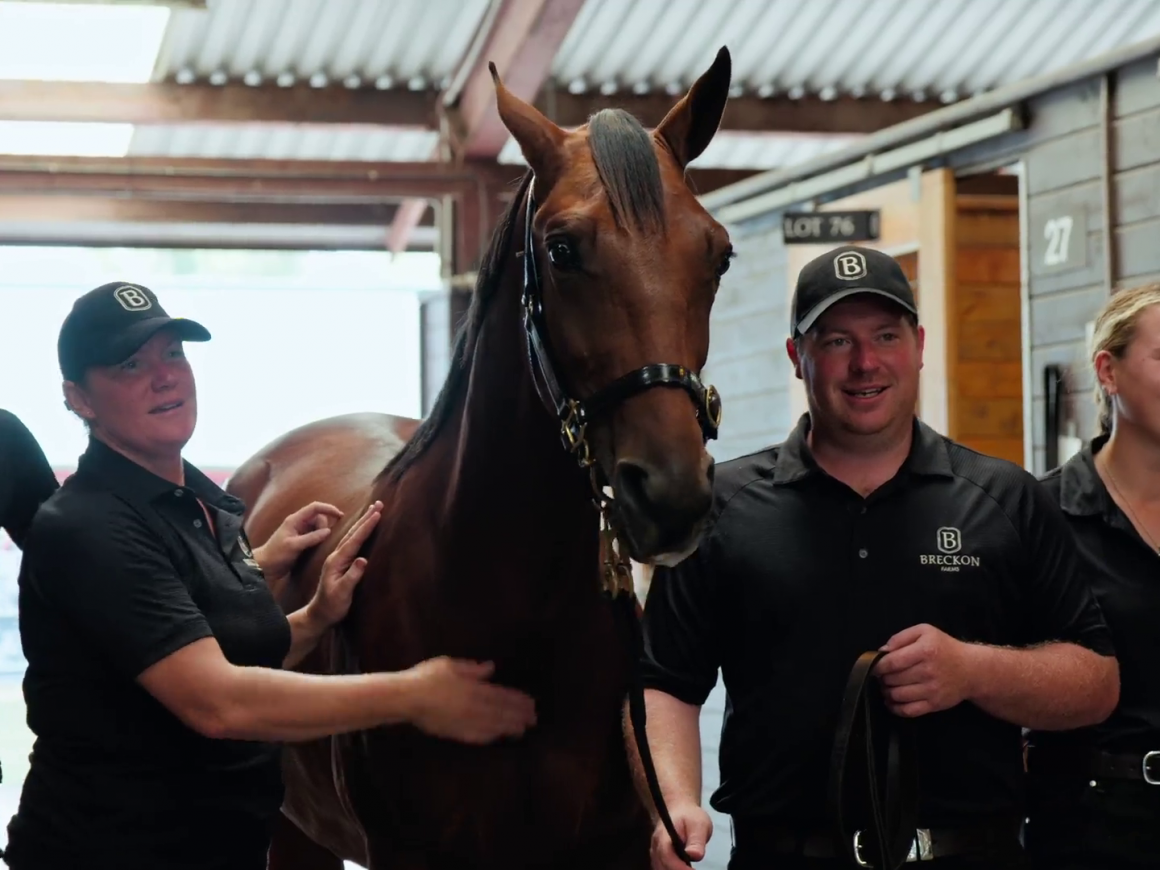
column 632, row 481
column 671, row 503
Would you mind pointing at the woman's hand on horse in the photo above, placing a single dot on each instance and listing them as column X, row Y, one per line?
column 342, row 570
column 692, row 825
column 305, row 528
column 453, row 698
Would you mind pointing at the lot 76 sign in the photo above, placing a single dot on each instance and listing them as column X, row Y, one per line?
column 820, row 227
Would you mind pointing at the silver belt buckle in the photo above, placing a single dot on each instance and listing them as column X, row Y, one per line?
column 1155, row 753
column 858, row 850
column 920, row 847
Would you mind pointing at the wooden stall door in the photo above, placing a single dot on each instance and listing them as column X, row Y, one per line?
column 985, row 371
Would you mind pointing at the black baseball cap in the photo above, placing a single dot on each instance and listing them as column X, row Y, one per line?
column 109, row 323
column 844, row 272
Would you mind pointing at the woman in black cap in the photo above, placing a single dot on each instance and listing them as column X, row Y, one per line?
column 156, row 685
column 1094, row 797
column 26, row 478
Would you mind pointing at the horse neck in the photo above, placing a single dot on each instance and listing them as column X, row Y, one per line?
column 508, row 472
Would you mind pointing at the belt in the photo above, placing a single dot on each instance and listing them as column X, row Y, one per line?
column 1095, row 763
column 752, row 835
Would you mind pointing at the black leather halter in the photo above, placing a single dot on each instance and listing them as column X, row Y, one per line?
column 574, row 415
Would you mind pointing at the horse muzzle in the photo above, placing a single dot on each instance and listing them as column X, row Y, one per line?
column 661, row 512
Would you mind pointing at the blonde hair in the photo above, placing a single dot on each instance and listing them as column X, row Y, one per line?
column 1115, row 328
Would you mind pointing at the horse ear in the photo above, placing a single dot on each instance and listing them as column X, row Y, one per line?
column 539, row 139
column 692, row 123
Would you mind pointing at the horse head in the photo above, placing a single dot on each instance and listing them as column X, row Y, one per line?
column 621, row 267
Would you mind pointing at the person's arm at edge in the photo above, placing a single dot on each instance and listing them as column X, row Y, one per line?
column 673, row 728
column 33, row 478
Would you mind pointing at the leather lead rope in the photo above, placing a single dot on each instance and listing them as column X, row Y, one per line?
column 637, row 715
column 893, row 804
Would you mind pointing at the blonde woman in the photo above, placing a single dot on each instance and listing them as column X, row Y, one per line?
column 1095, row 792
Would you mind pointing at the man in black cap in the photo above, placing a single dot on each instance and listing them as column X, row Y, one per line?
column 866, row 531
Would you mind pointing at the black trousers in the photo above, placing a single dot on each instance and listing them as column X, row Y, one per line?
column 1073, row 825
column 747, row 861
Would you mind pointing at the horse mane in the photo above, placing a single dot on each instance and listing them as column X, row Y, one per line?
column 627, row 165
column 487, row 282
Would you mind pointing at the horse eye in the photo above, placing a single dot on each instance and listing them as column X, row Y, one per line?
column 561, row 253
column 723, row 266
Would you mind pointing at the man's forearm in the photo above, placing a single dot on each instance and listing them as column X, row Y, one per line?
column 1054, row 686
column 674, row 742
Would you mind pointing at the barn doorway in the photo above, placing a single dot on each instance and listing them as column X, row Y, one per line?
column 985, row 317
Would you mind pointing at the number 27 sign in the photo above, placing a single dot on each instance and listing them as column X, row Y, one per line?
column 1061, row 243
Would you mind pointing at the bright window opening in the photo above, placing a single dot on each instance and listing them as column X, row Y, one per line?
column 80, row 42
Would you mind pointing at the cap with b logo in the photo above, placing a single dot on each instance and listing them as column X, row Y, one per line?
column 845, row 272
column 110, row 323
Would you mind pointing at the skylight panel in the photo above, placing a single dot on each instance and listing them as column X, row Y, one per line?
column 61, row 138
column 80, row 41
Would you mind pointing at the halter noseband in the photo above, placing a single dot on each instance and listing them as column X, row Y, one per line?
column 574, row 415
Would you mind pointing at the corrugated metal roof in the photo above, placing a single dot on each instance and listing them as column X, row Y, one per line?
column 402, row 39
column 282, row 142
column 740, row 151
column 952, row 48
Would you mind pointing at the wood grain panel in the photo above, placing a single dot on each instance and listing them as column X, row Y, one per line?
column 990, row 418
column 979, row 229
column 988, row 301
column 989, row 341
column 987, row 265
column 1003, row 380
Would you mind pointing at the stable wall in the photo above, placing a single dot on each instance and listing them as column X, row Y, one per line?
column 747, row 359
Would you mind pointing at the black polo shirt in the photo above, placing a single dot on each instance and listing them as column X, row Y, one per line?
column 26, row 478
column 798, row 575
column 1125, row 574
column 115, row 777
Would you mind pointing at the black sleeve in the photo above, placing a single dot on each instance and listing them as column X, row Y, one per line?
column 28, row 479
column 681, row 623
column 114, row 582
column 1061, row 605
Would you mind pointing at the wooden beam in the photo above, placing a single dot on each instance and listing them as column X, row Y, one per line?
column 131, row 234
column 844, row 115
column 522, row 41
column 522, row 45
column 45, row 208
column 250, row 180
column 171, row 103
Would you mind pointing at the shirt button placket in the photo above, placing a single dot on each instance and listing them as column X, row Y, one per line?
column 859, row 531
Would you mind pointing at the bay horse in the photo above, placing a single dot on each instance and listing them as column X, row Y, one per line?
column 598, row 283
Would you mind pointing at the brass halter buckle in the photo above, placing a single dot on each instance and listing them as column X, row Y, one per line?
column 574, row 434
column 616, row 569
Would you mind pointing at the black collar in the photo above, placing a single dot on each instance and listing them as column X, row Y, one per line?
column 928, row 454
column 1081, row 489
column 122, row 474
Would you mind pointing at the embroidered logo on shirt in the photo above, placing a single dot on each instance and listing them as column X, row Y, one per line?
column 949, row 542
